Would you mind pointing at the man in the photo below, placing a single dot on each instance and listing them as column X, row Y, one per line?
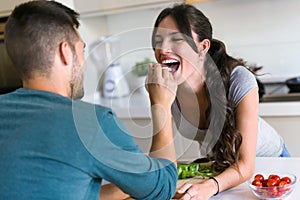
column 53, row 146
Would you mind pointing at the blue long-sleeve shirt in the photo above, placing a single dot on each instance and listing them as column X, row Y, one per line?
column 54, row 148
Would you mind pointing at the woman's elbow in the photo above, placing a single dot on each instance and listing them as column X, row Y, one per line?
column 246, row 169
column 249, row 173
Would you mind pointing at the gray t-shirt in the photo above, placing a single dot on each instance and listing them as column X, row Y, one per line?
column 269, row 142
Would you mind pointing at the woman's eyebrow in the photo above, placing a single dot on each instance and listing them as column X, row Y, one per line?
column 174, row 33
column 157, row 36
column 171, row 34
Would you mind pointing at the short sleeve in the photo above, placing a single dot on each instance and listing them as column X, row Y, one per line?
column 241, row 82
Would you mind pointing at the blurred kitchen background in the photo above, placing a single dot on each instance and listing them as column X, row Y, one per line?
column 265, row 33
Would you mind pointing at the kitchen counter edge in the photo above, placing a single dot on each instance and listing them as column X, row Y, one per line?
column 137, row 106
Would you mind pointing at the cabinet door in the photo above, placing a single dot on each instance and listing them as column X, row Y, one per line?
column 8, row 5
column 288, row 127
column 101, row 7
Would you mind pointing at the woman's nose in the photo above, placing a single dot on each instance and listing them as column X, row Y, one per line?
column 165, row 47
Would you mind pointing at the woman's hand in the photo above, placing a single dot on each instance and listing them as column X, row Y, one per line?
column 161, row 86
column 199, row 191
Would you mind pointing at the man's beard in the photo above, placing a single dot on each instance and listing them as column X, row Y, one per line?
column 76, row 84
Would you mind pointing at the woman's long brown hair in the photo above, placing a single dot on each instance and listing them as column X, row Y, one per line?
column 227, row 148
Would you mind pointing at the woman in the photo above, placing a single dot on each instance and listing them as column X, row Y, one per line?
column 216, row 101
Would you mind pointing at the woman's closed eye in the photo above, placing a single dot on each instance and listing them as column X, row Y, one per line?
column 177, row 39
column 157, row 43
column 174, row 40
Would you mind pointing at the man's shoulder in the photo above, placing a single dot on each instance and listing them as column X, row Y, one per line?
column 90, row 107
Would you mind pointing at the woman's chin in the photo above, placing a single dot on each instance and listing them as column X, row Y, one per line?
column 179, row 79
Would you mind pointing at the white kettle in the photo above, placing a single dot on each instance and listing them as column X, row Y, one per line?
column 115, row 84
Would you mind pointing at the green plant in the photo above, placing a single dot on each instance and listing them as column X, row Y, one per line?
column 141, row 68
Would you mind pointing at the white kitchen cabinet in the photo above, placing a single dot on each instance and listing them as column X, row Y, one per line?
column 285, row 118
column 289, row 128
column 8, row 5
column 89, row 8
column 141, row 130
column 134, row 112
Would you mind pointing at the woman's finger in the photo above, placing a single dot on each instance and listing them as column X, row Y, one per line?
column 184, row 188
column 186, row 196
column 155, row 74
column 166, row 72
column 150, row 69
column 158, row 71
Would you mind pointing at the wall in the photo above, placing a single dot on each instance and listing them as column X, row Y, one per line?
column 261, row 31
column 91, row 31
column 8, row 5
column 69, row 3
column 265, row 32
column 133, row 30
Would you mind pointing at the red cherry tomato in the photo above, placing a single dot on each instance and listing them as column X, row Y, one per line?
column 275, row 177
column 265, row 183
column 286, row 179
column 259, row 177
column 257, row 183
column 271, row 182
column 282, row 183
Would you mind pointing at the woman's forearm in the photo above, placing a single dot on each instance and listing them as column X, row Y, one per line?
column 235, row 175
column 162, row 141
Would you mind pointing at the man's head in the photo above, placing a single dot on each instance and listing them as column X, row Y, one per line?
column 38, row 34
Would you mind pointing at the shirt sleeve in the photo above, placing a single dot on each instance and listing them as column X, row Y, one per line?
column 125, row 165
column 241, row 82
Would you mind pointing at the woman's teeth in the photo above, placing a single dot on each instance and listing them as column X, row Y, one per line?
column 172, row 64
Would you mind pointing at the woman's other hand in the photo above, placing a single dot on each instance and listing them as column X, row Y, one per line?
column 199, row 191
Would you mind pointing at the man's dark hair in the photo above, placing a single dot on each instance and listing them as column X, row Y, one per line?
column 33, row 32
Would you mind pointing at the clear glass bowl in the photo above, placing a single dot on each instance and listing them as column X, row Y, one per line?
column 273, row 192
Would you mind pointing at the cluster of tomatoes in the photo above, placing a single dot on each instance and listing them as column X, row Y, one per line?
column 267, row 186
column 272, row 180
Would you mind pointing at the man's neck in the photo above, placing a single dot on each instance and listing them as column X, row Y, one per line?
column 44, row 84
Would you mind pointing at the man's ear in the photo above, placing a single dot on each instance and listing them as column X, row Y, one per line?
column 66, row 53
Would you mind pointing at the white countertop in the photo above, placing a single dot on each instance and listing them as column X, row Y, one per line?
column 266, row 166
column 136, row 105
column 278, row 109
